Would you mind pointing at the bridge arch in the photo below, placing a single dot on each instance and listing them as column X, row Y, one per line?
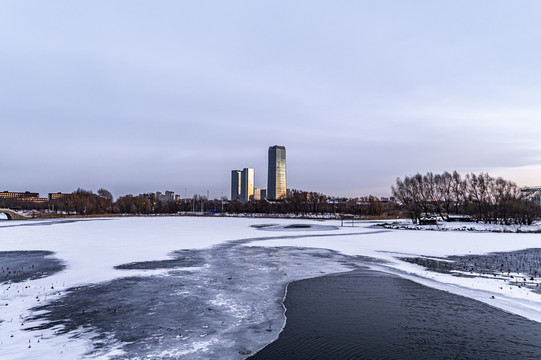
column 13, row 215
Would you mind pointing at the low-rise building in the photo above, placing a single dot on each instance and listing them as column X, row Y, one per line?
column 26, row 196
column 18, row 195
column 532, row 193
column 34, row 199
column 58, row 195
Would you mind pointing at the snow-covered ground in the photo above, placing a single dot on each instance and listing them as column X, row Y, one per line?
column 234, row 263
column 463, row 226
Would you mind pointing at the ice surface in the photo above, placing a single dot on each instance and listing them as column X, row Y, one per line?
column 152, row 287
column 208, row 286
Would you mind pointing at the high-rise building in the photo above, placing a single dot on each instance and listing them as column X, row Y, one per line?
column 247, row 184
column 236, row 180
column 276, row 181
column 169, row 195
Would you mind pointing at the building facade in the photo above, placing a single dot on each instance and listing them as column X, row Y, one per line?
column 532, row 193
column 276, row 181
column 58, row 195
column 18, row 195
column 236, row 180
column 257, row 194
column 247, row 184
column 169, row 195
column 26, row 196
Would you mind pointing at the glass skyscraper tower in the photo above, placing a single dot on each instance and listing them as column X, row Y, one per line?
column 236, row 180
column 242, row 184
column 247, row 184
column 276, row 181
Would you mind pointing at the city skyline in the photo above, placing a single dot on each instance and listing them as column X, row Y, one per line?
column 132, row 97
column 243, row 182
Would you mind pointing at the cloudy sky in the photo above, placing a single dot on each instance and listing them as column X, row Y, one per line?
column 140, row 96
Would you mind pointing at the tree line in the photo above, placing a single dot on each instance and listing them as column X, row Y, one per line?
column 85, row 202
column 484, row 198
column 303, row 202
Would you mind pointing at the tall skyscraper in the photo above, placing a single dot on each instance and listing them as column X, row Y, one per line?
column 276, row 181
column 247, row 184
column 235, row 184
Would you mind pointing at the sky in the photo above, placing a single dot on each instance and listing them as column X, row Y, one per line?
column 144, row 96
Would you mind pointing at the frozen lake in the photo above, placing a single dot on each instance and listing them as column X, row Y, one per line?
column 206, row 288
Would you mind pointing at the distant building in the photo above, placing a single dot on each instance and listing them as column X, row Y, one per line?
column 532, row 193
column 169, row 195
column 262, row 194
column 247, row 184
column 58, row 195
column 26, row 196
column 177, row 198
column 257, row 194
column 236, row 180
column 34, row 198
column 18, row 195
column 276, row 180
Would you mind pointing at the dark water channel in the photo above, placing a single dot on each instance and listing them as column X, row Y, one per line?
column 19, row 266
column 369, row 315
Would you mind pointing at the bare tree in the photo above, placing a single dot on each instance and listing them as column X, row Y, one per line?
column 479, row 195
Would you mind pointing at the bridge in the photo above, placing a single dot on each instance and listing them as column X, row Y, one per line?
column 13, row 215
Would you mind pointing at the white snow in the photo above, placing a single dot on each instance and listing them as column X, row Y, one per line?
column 92, row 248
column 464, row 226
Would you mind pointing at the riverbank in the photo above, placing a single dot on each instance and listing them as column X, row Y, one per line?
column 463, row 226
column 212, row 215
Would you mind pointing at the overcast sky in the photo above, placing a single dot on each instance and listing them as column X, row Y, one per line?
column 141, row 96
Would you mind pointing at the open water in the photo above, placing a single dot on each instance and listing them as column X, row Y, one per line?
column 369, row 315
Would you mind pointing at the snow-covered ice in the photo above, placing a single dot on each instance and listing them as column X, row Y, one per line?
column 214, row 284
